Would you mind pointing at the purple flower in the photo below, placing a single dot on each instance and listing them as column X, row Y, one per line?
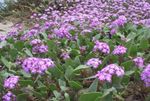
column 40, row 49
column 103, row 76
column 35, row 42
column 120, row 21
column 145, row 75
column 31, row 33
column 139, row 61
column 9, row 96
column 110, row 70
column 65, row 55
column 94, row 62
column 37, row 65
column 11, row 82
column 3, row 37
column 82, row 48
column 102, row 47
column 119, row 50
column 113, row 31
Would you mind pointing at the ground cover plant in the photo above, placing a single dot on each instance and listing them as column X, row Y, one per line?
column 92, row 51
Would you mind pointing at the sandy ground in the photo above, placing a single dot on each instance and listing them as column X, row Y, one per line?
column 5, row 27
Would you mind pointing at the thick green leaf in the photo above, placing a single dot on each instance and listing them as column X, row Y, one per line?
column 93, row 86
column 3, row 43
column 127, row 65
column 52, row 87
column 26, row 82
column 129, row 73
column 81, row 67
column 28, row 52
column 92, row 96
column 144, row 44
column 67, row 98
column 6, row 62
column 22, row 97
column 133, row 50
column 108, row 91
column 75, row 85
column 19, row 45
column 68, row 72
column 37, row 94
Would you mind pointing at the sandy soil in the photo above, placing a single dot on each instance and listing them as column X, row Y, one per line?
column 5, row 26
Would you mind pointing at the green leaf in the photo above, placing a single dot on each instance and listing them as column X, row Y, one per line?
column 128, row 73
column 37, row 94
column 62, row 83
column 3, row 43
column 57, row 94
column 52, row 87
column 6, row 62
column 92, row 96
column 67, row 98
column 93, row 86
column 108, row 91
column 127, row 65
column 26, row 75
column 22, row 97
column 75, row 85
column 26, row 82
column 97, row 36
column 144, row 44
column 28, row 52
column 133, row 50
column 80, row 68
column 44, row 35
column 19, row 45
column 5, row 74
column 42, row 88
column 68, row 72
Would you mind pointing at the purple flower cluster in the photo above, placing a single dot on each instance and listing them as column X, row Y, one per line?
column 102, row 47
column 145, row 75
column 38, row 46
column 92, row 15
column 30, row 34
column 109, row 71
column 40, row 49
column 2, row 37
column 9, row 96
column 11, row 82
column 119, row 50
column 65, row 55
column 35, row 42
column 139, row 61
column 37, row 65
column 94, row 62
column 120, row 21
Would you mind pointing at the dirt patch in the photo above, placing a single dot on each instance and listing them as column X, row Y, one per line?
column 5, row 26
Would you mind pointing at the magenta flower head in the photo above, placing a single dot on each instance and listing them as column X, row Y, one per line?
column 110, row 70
column 9, row 96
column 145, row 75
column 37, row 65
column 40, row 49
column 35, row 42
column 11, row 82
column 65, row 55
column 119, row 50
column 102, row 47
column 120, row 21
column 94, row 62
column 139, row 61
column 103, row 76
column 113, row 31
